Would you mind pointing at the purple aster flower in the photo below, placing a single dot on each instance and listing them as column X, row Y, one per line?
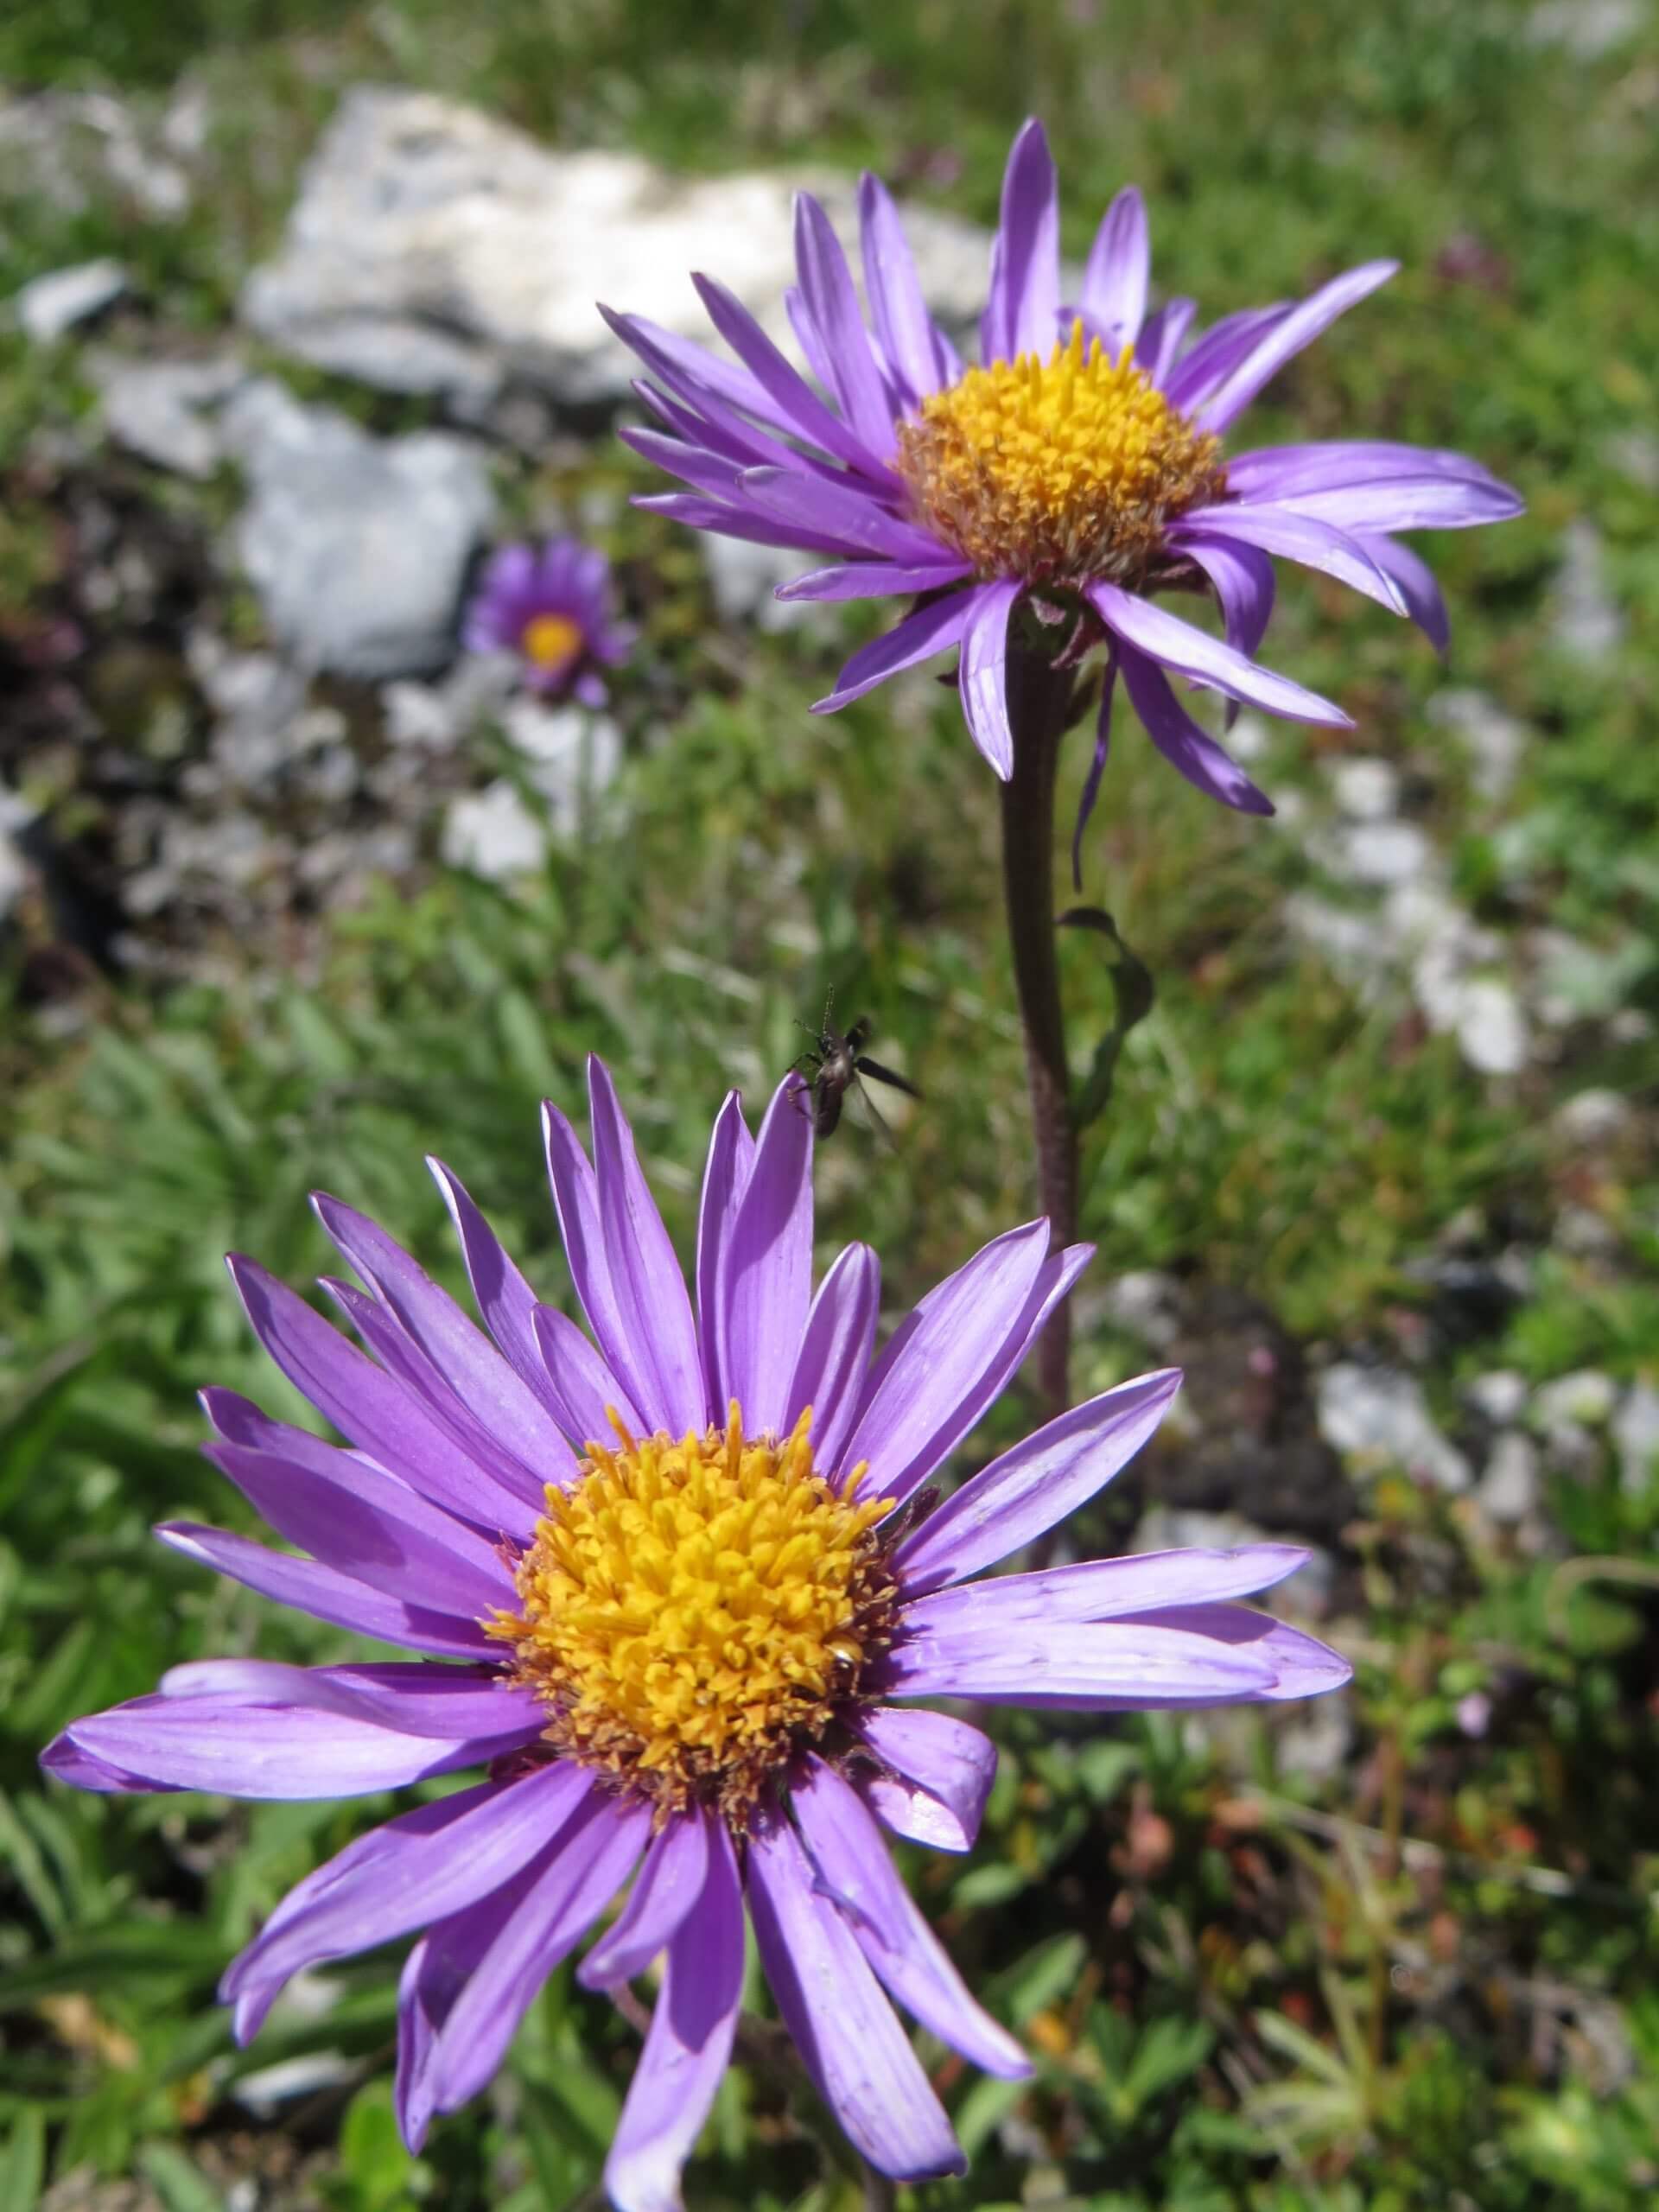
column 1079, row 469
column 548, row 605
column 676, row 1586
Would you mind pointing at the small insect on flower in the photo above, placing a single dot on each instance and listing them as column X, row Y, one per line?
column 831, row 1066
column 669, row 1592
column 548, row 605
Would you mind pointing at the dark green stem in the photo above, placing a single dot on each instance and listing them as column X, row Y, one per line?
column 1040, row 701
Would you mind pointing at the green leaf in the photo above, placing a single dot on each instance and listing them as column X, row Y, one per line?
column 22, row 2163
column 179, row 2184
column 1132, row 981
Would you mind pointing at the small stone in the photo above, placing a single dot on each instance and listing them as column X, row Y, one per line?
column 1315, row 1745
column 1634, row 1431
column 1594, row 1118
column 1384, row 852
column 1587, row 623
column 1494, row 737
column 1381, row 1415
column 1491, row 1030
column 1500, row 1396
column 1586, row 28
column 1583, row 1232
column 744, row 579
column 358, row 546
column 1251, row 738
column 1366, row 791
column 1146, row 1303
column 494, row 834
column 15, row 814
column 1510, row 1489
column 574, row 755
column 1584, row 1399
column 164, row 410
column 50, row 307
column 1634, row 454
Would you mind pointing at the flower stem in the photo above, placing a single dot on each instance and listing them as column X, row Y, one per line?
column 1040, row 700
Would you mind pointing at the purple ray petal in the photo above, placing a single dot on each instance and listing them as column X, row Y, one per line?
column 420, row 1867
column 731, row 1155
column 504, row 1298
column 902, row 321
column 930, row 630
column 1120, row 263
column 793, row 399
column 585, row 1388
column 448, row 1703
column 1214, row 356
column 850, row 1856
column 727, row 434
column 693, row 464
column 858, row 2056
column 835, row 1354
column 1416, row 586
column 669, row 1885
column 939, row 1773
column 810, row 339
column 734, row 522
column 965, row 1325
column 1106, row 1589
column 1165, row 638
column 872, row 580
column 1407, row 502
column 576, row 1879
column 1111, row 1665
column 827, row 283
column 985, row 669
column 479, row 1376
column 713, row 385
column 1281, row 474
column 1096, row 766
column 325, row 1594
column 575, row 1200
column 765, row 1281
column 1316, row 544
column 688, row 2046
column 1184, row 743
column 1036, row 1484
column 1286, row 339
column 1160, row 340
column 846, row 512
column 1242, row 579
column 64, row 1759
column 366, row 1405
column 359, row 1522
column 383, row 1335
column 654, row 1308
column 1023, row 312
column 238, row 1747
column 1302, row 1665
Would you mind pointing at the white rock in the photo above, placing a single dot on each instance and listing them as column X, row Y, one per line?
column 1587, row 622
column 1366, row 791
column 1251, row 738
column 575, row 755
column 1494, row 737
column 1588, row 29
column 1146, row 1303
column 1510, row 1488
column 1635, row 1432
column 165, row 411
column 1594, row 1118
column 744, row 579
column 1500, row 1396
column 434, row 249
column 15, row 814
column 1584, row 1399
column 1314, row 1743
column 357, row 546
column 1384, row 852
column 1381, row 1415
column 493, row 833
column 1491, row 1030
column 50, row 307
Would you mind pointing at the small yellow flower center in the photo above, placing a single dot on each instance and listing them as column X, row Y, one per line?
column 549, row 640
column 692, row 1614
column 1057, row 471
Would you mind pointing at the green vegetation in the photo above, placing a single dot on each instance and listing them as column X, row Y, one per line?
column 1421, row 1974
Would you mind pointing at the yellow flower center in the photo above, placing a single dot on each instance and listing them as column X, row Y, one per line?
column 549, row 640
column 1057, row 471
column 692, row 1614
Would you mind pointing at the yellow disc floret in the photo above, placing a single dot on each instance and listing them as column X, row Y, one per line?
column 692, row 1614
column 1057, row 471
column 549, row 640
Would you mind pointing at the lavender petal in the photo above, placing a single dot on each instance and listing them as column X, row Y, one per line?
column 835, row 1353
column 731, row 1156
column 1115, row 280
column 669, row 1885
column 1184, row 743
column 937, row 1775
column 1287, row 337
column 930, row 630
column 1023, row 312
column 985, row 671
column 1165, row 638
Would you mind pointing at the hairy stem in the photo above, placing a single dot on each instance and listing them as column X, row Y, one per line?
column 1039, row 698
